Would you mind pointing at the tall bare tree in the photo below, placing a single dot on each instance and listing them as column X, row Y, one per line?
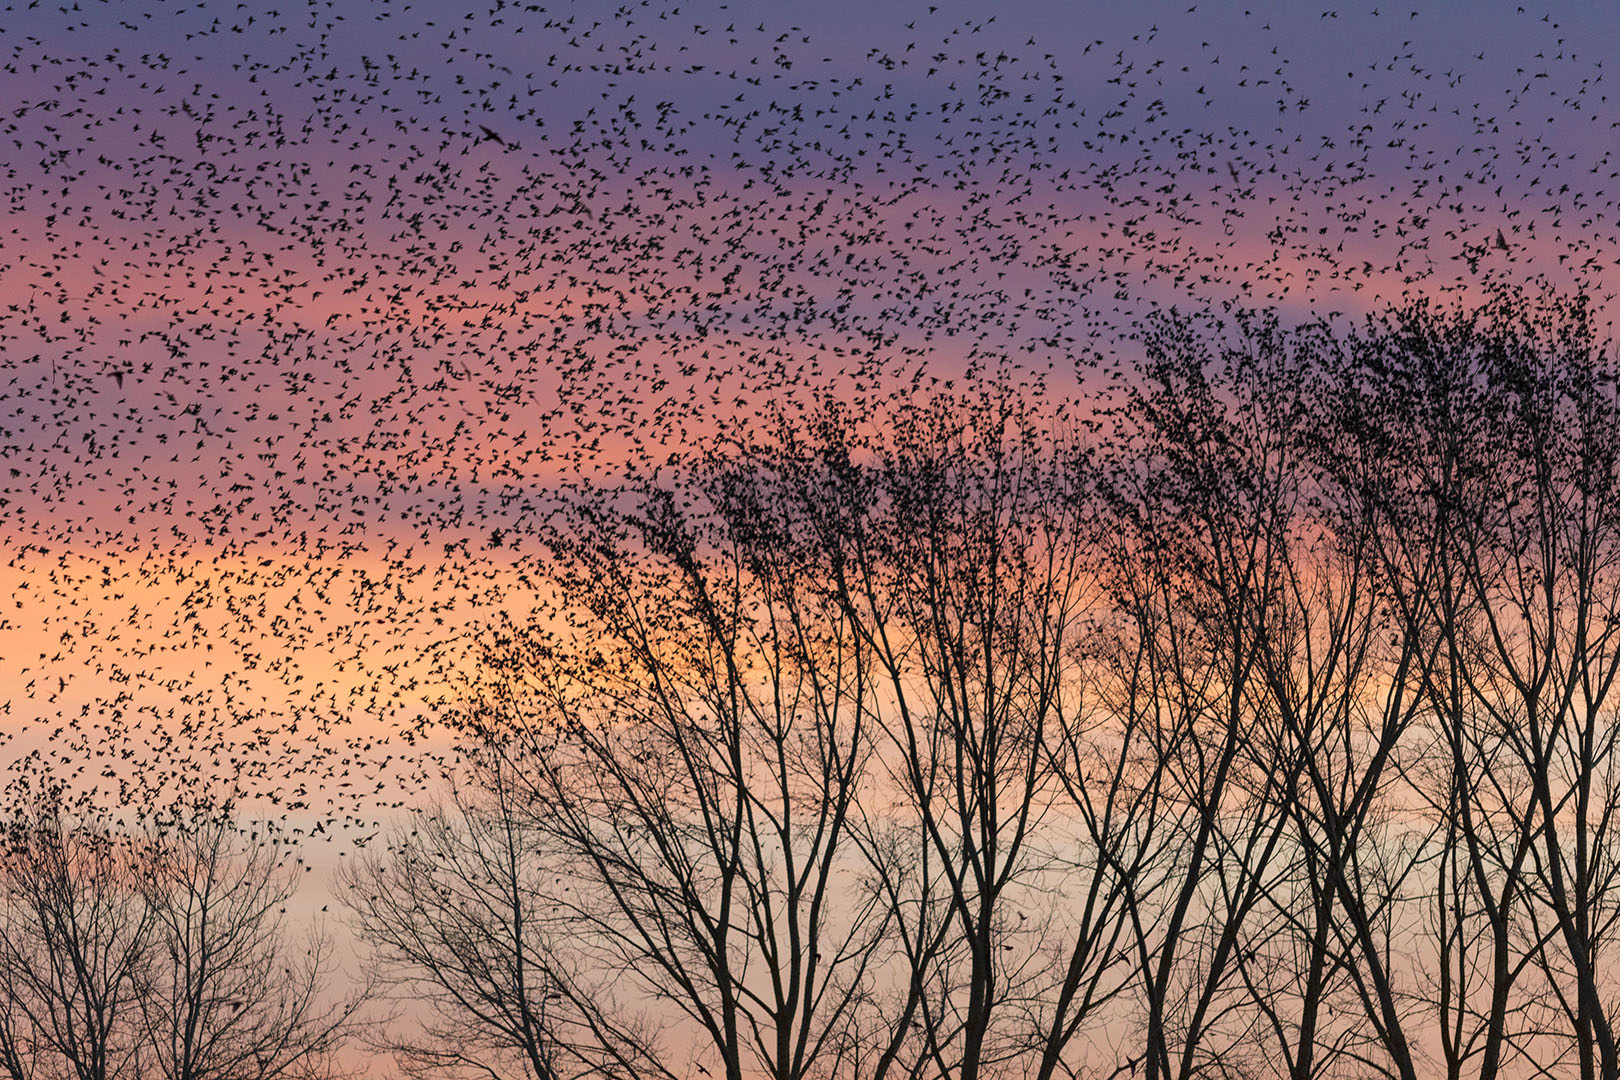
column 969, row 576
column 1507, row 416
column 1197, row 479
column 692, row 747
column 803, row 748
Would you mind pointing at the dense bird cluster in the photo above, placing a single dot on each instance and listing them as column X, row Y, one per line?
column 307, row 310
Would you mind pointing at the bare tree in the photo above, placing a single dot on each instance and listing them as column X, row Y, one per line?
column 75, row 945
column 1507, row 419
column 968, row 575
column 1399, row 413
column 144, row 952
column 1345, row 662
column 227, row 993
column 1197, row 482
column 692, row 747
column 800, row 759
column 468, row 939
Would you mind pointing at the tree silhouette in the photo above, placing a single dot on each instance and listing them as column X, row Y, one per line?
column 76, row 941
column 156, row 952
column 1251, row 719
column 228, row 992
column 468, row 938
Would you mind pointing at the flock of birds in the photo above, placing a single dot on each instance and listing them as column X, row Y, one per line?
column 306, row 309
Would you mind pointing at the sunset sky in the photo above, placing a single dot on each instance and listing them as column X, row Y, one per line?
column 305, row 307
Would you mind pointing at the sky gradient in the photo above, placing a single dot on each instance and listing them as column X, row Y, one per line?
column 306, row 308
